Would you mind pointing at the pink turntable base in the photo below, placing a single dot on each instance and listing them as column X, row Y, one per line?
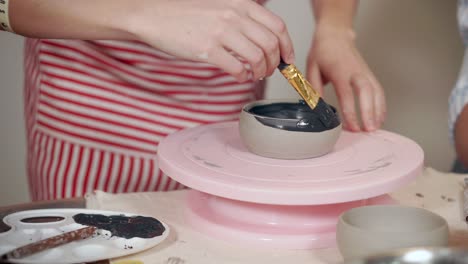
column 252, row 200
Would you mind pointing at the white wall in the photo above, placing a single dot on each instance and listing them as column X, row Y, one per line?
column 13, row 184
column 412, row 46
column 415, row 51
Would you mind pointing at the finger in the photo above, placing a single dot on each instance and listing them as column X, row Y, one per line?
column 223, row 59
column 247, row 50
column 345, row 96
column 276, row 25
column 266, row 40
column 365, row 92
column 380, row 106
column 315, row 77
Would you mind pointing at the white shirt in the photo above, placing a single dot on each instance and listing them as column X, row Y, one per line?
column 459, row 95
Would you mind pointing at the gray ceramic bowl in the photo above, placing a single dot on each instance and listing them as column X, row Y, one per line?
column 423, row 255
column 370, row 230
column 286, row 129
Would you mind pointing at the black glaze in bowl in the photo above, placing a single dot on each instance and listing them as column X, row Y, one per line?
column 297, row 116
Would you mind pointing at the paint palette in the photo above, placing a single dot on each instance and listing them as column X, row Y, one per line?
column 34, row 225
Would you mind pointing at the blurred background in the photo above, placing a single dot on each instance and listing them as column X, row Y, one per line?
column 413, row 47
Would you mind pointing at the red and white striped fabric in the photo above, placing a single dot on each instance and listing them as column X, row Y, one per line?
column 96, row 111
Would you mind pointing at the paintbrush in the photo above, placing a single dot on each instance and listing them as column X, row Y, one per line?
column 326, row 114
column 48, row 243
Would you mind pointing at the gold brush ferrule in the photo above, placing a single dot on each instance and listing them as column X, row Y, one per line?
column 302, row 86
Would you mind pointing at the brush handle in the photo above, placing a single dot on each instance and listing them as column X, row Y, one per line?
column 49, row 243
column 299, row 83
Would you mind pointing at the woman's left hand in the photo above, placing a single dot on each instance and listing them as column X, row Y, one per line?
column 334, row 58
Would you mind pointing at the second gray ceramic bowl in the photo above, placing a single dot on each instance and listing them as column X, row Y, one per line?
column 370, row 230
column 274, row 142
column 423, row 255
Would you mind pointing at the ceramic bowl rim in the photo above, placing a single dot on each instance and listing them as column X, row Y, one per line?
column 251, row 105
column 443, row 223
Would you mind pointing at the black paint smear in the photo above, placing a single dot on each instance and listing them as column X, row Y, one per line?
column 123, row 226
column 297, row 116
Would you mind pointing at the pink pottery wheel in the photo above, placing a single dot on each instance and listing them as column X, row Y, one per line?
column 253, row 200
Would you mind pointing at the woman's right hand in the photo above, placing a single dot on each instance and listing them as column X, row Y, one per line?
column 225, row 33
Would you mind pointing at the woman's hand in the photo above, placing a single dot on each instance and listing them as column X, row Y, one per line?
column 227, row 33
column 334, row 58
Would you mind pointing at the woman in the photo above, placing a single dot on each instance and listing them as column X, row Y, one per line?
column 106, row 80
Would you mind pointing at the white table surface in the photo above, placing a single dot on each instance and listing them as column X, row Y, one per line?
column 433, row 190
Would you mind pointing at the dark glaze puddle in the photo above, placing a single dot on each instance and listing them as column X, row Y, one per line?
column 297, row 116
column 123, row 226
column 42, row 219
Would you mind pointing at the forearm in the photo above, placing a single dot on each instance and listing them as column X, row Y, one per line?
column 208, row 31
column 83, row 19
column 336, row 13
column 334, row 58
column 461, row 137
